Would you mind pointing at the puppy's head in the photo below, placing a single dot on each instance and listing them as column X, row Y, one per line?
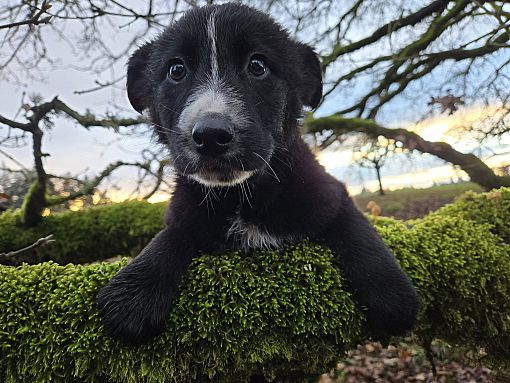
column 224, row 86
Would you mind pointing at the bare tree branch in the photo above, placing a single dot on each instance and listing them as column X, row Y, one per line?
column 477, row 170
column 394, row 25
column 7, row 257
column 34, row 20
column 88, row 188
column 13, row 124
column 87, row 120
column 100, row 85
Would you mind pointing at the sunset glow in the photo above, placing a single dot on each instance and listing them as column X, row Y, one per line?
column 451, row 128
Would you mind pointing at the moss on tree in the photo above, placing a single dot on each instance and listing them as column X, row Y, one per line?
column 281, row 312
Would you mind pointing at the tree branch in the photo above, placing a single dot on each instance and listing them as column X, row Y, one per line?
column 89, row 187
column 386, row 29
column 6, row 257
column 159, row 180
column 86, row 120
column 89, row 120
column 14, row 124
column 34, row 20
column 477, row 170
column 394, row 75
column 100, row 85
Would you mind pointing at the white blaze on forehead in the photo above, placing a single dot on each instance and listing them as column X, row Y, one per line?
column 211, row 35
column 211, row 99
column 213, row 96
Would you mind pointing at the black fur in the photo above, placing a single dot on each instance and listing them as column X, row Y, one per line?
column 290, row 197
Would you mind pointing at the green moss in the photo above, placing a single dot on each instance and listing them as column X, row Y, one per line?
column 461, row 269
column 468, row 285
column 491, row 208
column 277, row 312
column 88, row 235
column 404, row 244
column 33, row 205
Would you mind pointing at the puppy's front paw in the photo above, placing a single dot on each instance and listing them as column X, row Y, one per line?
column 393, row 311
column 132, row 313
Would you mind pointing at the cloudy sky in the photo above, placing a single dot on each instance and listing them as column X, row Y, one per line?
column 76, row 150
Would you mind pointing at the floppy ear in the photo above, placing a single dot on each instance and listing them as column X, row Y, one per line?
column 311, row 81
column 138, row 84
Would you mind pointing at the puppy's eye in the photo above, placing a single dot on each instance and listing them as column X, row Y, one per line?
column 257, row 67
column 177, row 70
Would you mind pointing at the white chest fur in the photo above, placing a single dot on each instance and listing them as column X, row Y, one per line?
column 250, row 236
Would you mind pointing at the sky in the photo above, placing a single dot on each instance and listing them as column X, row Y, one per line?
column 77, row 150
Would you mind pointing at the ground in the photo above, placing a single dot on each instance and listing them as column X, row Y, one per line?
column 412, row 203
column 407, row 363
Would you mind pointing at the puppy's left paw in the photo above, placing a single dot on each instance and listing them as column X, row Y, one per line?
column 131, row 313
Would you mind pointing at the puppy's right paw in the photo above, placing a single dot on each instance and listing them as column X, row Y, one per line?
column 131, row 313
column 393, row 311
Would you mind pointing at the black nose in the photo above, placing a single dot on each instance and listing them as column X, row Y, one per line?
column 212, row 135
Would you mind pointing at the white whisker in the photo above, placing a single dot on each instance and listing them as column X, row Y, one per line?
column 269, row 166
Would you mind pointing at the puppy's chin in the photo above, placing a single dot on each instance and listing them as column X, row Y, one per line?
column 214, row 179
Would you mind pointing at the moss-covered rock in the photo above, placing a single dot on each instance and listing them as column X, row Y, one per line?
column 280, row 312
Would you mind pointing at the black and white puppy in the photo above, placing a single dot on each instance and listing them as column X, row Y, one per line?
column 225, row 87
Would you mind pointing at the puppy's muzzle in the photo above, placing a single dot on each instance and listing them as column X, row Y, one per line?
column 212, row 135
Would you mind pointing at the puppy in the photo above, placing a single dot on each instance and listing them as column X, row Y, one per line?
column 224, row 87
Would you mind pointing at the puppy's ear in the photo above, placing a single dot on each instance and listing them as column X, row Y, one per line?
column 138, row 85
column 311, row 83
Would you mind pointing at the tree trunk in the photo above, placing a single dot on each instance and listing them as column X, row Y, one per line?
column 35, row 199
column 476, row 169
column 378, row 171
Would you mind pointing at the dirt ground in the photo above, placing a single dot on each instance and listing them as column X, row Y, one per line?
column 406, row 363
